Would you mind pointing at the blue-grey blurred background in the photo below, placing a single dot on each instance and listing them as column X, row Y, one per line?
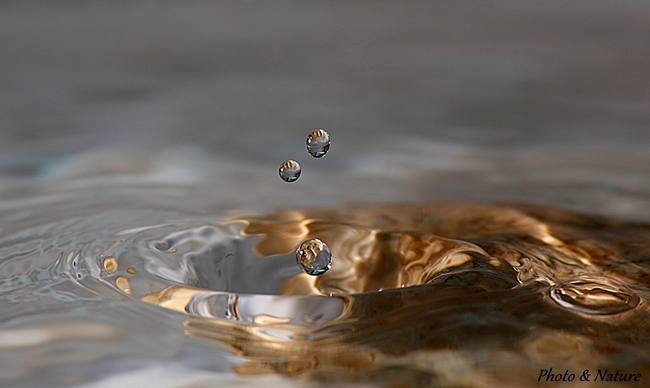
column 195, row 104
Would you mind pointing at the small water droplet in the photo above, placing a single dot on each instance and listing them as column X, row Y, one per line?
column 314, row 257
column 318, row 143
column 594, row 295
column 289, row 171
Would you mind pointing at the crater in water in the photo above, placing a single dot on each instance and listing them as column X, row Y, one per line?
column 418, row 281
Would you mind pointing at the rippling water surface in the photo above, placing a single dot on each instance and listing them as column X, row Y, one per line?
column 429, row 294
column 485, row 197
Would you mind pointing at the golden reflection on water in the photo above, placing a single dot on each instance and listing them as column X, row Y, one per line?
column 110, row 264
column 449, row 295
column 124, row 284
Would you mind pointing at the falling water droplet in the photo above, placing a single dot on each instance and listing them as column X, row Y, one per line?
column 314, row 257
column 318, row 143
column 289, row 171
column 594, row 295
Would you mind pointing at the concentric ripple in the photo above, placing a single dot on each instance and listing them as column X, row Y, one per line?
column 416, row 280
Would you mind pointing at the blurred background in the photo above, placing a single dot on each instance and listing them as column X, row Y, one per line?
column 194, row 105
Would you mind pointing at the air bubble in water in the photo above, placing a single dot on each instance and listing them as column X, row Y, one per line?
column 314, row 257
column 289, row 171
column 318, row 143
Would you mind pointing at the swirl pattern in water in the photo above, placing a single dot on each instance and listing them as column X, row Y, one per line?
column 421, row 295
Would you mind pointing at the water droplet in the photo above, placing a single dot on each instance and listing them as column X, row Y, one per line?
column 289, row 171
column 594, row 295
column 318, row 143
column 314, row 257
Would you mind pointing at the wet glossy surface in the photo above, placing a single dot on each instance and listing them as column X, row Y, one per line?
column 424, row 282
column 147, row 240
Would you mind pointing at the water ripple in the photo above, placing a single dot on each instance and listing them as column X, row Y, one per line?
column 405, row 279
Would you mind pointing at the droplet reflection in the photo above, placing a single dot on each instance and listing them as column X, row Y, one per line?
column 318, row 143
column 289, row 171
column 314, row 257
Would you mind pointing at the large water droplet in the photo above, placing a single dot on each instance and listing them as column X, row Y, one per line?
column 289, row 171
column 314, row 257
column 594, row 295
column 318, row 143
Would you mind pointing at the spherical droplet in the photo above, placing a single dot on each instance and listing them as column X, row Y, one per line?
column 594, row 295
column 289, row 171
column 318, row 143
column 314, row 257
